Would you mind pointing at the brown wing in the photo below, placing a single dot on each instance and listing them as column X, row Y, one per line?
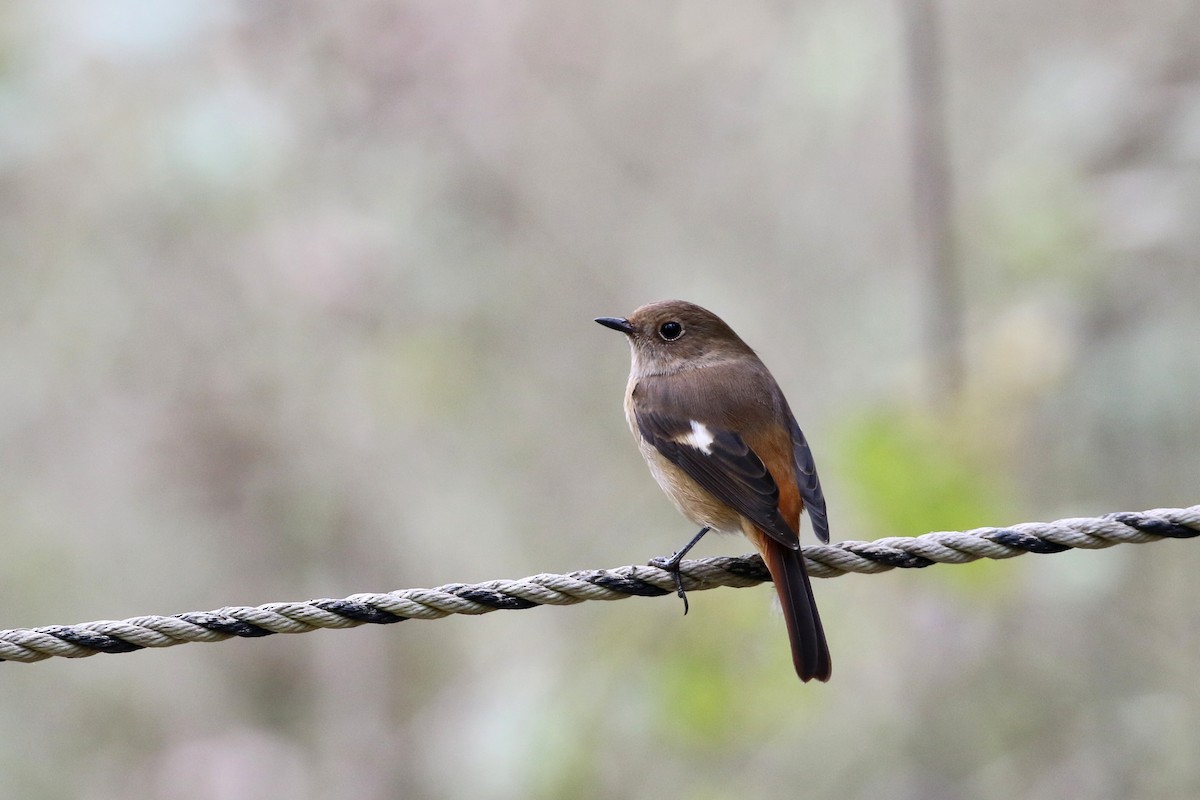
column 724, row 465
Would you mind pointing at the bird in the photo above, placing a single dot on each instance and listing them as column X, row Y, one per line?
column 722, row 443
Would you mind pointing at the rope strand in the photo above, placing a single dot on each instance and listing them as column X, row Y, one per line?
column 823, row 561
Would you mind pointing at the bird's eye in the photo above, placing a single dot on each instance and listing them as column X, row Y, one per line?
column 670, row 331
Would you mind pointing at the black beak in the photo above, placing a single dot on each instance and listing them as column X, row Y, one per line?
column 616, row 323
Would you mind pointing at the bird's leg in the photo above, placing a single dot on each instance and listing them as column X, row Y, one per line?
column 671, row 565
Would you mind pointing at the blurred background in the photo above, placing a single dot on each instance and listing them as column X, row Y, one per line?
column 296, row 301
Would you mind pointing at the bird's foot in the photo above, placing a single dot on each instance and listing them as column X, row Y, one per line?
column 672, row 563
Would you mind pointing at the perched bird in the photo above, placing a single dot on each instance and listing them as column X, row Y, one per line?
column 722, row 443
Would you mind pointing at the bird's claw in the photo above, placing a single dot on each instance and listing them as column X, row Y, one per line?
column 671, row 565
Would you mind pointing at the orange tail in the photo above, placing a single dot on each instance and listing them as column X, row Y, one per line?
column 810, row 651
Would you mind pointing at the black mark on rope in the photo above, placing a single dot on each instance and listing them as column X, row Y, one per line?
column 631, row 585
column 1152, row 525
column 751, row 568
column 891, row 557
column 218, row 623
column 1024, row 541
column 101, row 643
column 490, row 598
column 359, row 612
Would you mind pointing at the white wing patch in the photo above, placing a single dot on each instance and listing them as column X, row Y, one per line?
column 700, row 438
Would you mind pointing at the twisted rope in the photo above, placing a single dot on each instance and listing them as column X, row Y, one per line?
column 827, row 561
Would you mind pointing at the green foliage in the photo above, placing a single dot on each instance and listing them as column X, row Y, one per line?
column 714, row 684
column 911, row 474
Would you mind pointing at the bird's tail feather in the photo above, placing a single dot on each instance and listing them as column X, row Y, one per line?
column 810, row 651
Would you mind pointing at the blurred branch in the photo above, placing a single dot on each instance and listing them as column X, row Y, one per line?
column 933, row 197
column 881, row 555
